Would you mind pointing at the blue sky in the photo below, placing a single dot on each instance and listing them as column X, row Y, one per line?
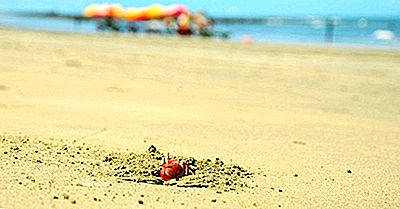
column 233, row 7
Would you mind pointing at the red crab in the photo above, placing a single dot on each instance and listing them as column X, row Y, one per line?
column 171, row 169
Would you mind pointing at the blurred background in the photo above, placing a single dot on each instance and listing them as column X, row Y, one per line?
column 365, row 23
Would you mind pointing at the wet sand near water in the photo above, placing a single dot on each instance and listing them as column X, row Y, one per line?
column 305, row 127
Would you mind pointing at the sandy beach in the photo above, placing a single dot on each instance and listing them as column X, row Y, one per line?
column 297, row 126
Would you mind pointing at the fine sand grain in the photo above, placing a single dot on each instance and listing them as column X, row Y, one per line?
column 264, row 126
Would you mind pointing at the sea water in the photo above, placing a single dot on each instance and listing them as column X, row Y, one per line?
column 351, row 32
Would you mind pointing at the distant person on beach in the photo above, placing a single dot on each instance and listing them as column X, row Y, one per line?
column 329, row 30
column 112, row 24
column 203, row 24
column 154, row 27
column 108, row 23
column 184, row 23
column 132, row 27
column 170, row 25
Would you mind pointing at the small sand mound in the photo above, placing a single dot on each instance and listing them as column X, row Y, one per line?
column 89, row 161
column 145, row 168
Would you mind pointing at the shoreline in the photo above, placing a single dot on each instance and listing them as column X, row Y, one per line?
column 339, row 46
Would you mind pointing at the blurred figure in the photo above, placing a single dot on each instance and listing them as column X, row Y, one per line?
column 329, row 30
column 170, row 25
column 203, row 24
column 246, row 39
column 184, row 23
column 108, row 23
column 132, row 27
column 154, row 27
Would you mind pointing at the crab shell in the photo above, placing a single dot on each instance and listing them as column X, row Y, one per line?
column 173, row 170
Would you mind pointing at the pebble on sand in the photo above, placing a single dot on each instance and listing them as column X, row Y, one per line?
column 84, row 184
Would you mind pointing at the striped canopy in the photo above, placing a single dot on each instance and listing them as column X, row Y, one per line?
column 155, row 11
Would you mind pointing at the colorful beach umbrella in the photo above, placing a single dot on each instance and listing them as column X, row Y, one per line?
column 116, row 11
column 93, row 11
column 135, row 14
column 176, row 10
column 155, row 11
column 104, row 10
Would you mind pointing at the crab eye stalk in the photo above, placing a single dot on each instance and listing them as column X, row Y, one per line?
column 164, row 160
column 186, row 169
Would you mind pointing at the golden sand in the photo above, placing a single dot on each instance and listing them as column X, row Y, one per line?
column 318, row 127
